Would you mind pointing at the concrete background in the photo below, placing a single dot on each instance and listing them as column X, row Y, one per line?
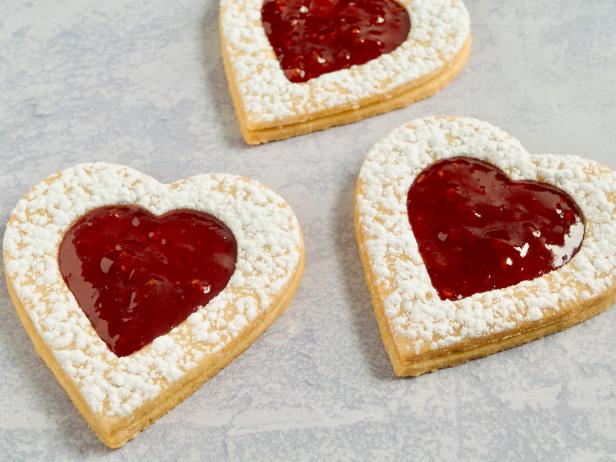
column 140, row 82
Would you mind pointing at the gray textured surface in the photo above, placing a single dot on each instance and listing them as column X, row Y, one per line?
column 141, row 83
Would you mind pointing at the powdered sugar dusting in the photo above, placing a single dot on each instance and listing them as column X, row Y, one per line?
column 439, row 30
column 562, row 253
column 269, row 250
column 412, row 306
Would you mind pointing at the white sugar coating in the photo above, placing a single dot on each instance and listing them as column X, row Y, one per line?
column 269, row 251
column 439, row 29
column 411, row 304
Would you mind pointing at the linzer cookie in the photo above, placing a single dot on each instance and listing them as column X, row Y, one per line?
column 136, row 292
column 471, row 245
column 296, row 66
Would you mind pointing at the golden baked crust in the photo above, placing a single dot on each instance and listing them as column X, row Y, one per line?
column 116, row 432
column 119, row 397
column 421, row 89
column 269, row 107
column 422, row 333
column 406, row 364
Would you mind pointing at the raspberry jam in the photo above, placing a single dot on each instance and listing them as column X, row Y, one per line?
column 314, row 37
column 477, row 230
column 137, row 276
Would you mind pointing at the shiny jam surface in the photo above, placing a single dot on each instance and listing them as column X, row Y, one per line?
column 136, row 275
column 314, row 37
column 477, row 230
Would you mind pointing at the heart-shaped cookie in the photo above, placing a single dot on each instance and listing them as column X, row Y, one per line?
column 471, row 245
column 176, row 279
column 296, row 66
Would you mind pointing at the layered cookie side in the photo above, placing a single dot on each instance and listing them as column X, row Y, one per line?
column 269, row 106
column 423, row 328
column 121, row 394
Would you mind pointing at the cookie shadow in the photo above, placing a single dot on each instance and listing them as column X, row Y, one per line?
column 45, row 396
column 214, row 75
column 354, row 283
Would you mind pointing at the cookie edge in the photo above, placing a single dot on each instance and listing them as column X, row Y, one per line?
column 114, row 432
column 413, row 365
column 403, row 96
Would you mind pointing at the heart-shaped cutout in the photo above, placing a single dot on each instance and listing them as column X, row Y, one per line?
column 120, row 395
column 315, row 37
column 465, row 210
column 137, row 276
column 417, row 175
column 296, row 66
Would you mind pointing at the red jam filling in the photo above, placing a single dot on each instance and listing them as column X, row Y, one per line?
column 137, row 276
column 477, row 230
column 314, row 37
